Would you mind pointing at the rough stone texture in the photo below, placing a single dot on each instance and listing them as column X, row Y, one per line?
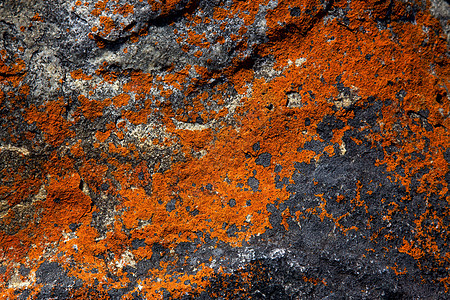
column 224, row 149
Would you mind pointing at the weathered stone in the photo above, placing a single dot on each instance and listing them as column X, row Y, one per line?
column 206, row 149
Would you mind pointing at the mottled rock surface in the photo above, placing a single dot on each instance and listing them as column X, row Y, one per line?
column 224, row 149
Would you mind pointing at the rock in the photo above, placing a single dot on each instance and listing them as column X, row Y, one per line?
column 206, row 149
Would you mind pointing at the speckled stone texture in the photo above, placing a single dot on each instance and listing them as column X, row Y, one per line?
column 224, row 149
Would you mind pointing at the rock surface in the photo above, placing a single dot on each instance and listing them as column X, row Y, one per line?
column 224, row 149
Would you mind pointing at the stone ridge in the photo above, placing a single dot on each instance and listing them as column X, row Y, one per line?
column 224, row 149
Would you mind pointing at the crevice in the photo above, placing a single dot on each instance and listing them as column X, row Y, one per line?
column 174, row 15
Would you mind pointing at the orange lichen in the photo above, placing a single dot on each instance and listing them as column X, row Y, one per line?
column 102, row 136
column 107, row 25
column 49, row 119
column 100, row 6
column 125, row 10
column 77, row 150
column 92, row 109
column 121, row 100
column 408, row 248
column 79, row 74
column 37, row 18
column 139, row 83
column 13, row 73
